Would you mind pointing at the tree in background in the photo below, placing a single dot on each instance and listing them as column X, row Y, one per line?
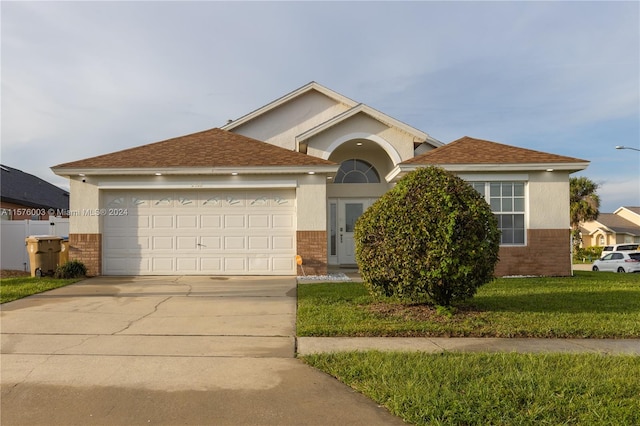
column 585, row 205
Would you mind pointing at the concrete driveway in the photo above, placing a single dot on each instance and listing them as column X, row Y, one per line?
column 167, row 350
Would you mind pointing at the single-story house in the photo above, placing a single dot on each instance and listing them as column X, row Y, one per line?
column 621, row 226
column 291, row 178
column 25, row 196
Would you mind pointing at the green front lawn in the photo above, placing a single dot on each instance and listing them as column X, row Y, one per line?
column 19, row 287
column 494, row 389
column 590, row 304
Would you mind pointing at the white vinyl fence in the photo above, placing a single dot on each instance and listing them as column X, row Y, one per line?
column 13, row 233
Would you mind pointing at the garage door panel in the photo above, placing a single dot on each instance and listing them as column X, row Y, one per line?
column 234, row 221
column 259, row 264
column 235, row 201
column 211, row 264
column 187, row 243
column 234, row 243
column 140, row 243
column 282, row 264
column 187, row 221
column 163, row 200
column 187, row 264
column 201, row 232
column 209, row 221
column 125, row 265
column 164, row 221
column 142, row 222
column 234, row 264
column 259, row 243
column 162, row 264
column 210, row 243
column 117, row 243
column 283, row 221
column 283, row 243
column 162, row 243
column 259, row 221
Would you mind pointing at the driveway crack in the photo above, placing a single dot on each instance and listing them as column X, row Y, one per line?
column 82, row 342
column 155, row 309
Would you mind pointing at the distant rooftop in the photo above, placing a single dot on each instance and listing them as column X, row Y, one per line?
column 28, row 190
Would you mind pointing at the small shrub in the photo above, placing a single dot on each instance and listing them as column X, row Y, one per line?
column 431, row 238
column 71, row 269
column 588, row 253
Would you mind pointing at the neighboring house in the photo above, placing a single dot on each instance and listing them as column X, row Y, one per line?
column 291, row 178
column 24, row 196
column 619, row 227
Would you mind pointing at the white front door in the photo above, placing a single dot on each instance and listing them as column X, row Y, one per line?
column 349, row 210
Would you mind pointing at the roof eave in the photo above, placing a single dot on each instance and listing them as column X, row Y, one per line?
column 262, row 170
column 402, row 169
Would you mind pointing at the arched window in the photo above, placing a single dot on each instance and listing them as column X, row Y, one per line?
column 601, row 240
column 356, row 171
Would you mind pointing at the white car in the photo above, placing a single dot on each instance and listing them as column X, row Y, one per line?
column 618, row 261
column 619, row 247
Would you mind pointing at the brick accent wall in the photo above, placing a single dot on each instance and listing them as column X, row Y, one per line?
column 87, row 248
column 547, row 253
column 312, row 247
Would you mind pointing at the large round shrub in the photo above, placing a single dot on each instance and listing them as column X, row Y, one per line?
column 431, row 238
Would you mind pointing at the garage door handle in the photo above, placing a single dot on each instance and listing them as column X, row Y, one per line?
column 201, row 245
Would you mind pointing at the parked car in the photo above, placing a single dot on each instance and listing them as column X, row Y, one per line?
column 619, row 247
column 618, row 261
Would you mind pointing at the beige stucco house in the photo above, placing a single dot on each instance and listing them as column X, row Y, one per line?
column 291, row 178
column 621, row 226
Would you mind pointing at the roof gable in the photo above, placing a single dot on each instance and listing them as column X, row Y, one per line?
column 337, row 97
column 617, row 224
column 376, row 115
column 29, row 190
column 467, row 150
column 634, row 210
column 213, row 148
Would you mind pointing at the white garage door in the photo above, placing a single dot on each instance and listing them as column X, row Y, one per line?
column 199, row 232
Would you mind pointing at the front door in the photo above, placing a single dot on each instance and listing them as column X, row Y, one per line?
column 349, row 210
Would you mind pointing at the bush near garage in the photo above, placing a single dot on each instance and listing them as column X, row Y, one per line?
column 71, row 269
column 432, row 238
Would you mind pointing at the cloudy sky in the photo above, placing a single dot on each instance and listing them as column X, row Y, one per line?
column 85, row 78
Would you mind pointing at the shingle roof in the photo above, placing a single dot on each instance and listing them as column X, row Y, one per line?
column 467, row 150
column 31, row 191
column 618, row 224
column 636, row 210
column 209, row 148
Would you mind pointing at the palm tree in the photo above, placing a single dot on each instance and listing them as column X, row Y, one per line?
column 584, row 204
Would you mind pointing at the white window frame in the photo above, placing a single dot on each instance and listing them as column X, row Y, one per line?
column 485, row 182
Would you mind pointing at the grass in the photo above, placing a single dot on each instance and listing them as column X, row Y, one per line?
column 506, row 389
column 18, row 287
column 588, row 305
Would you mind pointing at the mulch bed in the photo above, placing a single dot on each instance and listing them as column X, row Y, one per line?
column 422, row 312
column 11, row 273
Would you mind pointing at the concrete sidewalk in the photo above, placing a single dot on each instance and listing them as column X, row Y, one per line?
column 167, row 350
column 313, row 345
